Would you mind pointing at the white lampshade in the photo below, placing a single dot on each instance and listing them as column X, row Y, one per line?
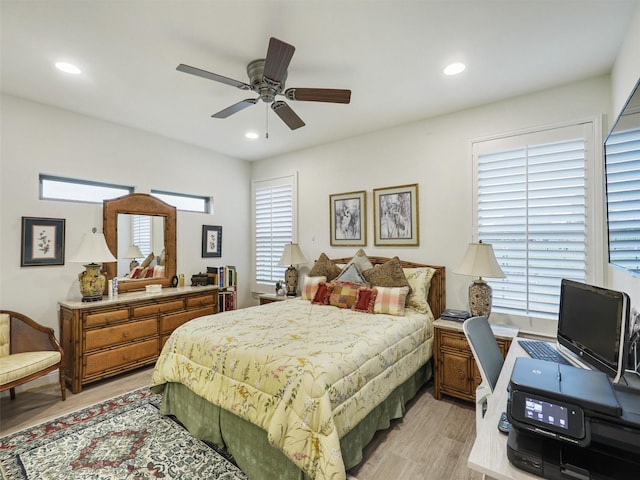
column 480, row 261
column 292, row 255
column 93, row 249
column 133, row 252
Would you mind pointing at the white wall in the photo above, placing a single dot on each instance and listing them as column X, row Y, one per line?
column 436, row 154
column 40, row 139
column 624, row 76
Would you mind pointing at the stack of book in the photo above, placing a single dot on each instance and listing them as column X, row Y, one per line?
column 455, row 315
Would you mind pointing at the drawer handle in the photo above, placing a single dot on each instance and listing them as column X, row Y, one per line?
column 460, row 374
column 125, row 334
column 125, row 356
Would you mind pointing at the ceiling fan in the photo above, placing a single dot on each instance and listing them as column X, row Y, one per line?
column 267, row 78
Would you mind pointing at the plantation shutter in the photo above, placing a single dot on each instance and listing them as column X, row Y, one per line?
column 141, row 233
column 274, row 227
column 532, row 207
column 623, row 198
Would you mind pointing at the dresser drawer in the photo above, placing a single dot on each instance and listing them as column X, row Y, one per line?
column 128, row 332
column 169, row 323
column 102, row 361
column 104, row 318
column 157, row 308
column 201, row 301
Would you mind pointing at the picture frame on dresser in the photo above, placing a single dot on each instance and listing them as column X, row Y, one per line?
column 348, row 219
column 211, row 241
column 395, row 216
column 42, row 241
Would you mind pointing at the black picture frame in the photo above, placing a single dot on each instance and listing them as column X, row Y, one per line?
column 211, row 241
column 42, row 242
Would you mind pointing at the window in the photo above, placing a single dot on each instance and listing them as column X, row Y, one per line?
column 274, row 204
column 190, row 203
column 60, row 188
column 141, row 233
column 535, row 205
column 623, row 198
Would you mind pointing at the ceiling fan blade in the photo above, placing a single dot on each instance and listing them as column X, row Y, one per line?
column 279, row 56
column 287, row 115
column 235, row 108
column 212, row 76
column 330, row 95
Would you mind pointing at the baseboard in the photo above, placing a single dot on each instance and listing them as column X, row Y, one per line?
column 51, row 378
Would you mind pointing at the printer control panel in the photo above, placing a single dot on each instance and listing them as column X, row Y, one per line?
column 547, row 416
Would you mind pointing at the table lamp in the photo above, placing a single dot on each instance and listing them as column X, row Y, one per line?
column 292, row 256
column 93, row 250
column 480, row 261
column 134, row 253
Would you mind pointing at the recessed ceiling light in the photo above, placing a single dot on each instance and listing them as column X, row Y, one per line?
column 67, row 67
column 454, row 68
column 251, row 135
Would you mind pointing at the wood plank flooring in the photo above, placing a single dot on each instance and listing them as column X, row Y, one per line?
column 431, row 442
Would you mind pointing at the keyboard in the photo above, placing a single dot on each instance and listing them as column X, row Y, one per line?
column 542, row 351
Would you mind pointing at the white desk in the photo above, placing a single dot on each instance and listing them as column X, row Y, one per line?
column 489, row 452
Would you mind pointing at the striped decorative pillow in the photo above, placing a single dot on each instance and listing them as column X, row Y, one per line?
column 310, row 286
column 390, row 300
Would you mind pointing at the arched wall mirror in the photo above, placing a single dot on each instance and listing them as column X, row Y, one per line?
column 119, row 215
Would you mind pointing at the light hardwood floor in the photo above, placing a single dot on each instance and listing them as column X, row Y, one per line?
column 432, row 441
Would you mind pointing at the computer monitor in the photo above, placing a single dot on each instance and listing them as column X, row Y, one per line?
column 593, row 325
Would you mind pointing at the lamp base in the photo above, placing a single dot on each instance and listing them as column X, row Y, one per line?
column 92, row 283
column 291, row 279
column 480, row 299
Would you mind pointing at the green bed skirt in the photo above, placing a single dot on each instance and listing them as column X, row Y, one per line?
column 249, row 444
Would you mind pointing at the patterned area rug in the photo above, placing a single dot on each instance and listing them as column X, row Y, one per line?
column 122, row 438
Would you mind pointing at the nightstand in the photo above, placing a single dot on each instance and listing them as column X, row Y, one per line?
column 456, row 372
column 272, row 297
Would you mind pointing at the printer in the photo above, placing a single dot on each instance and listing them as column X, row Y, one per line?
column 572, row 423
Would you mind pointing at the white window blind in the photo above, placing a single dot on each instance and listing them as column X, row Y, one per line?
column 623, row 198
column 532, row 206
column 274, row 204
column 141, row 233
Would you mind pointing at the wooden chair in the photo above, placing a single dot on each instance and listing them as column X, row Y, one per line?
column 28, row 350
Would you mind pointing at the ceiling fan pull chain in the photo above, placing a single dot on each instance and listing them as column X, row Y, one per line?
column 266, row 114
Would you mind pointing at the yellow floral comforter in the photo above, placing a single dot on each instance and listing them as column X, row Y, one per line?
column 305, row 373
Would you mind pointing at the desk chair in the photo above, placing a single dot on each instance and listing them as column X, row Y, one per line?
column 487, row 354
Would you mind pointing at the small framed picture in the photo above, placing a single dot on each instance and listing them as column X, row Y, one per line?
column 395, row 212
column 42, row 242
column 211, row 241
column 348, row 219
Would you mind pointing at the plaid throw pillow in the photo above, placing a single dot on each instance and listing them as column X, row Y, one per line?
column 344, row 294
column 390, row 300
column 311, row 286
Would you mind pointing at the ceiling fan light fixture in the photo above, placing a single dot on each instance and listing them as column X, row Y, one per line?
column 251, row 135
column 69, row 68
column 454, row 68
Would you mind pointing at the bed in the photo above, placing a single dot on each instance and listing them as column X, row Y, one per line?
column 296, row 389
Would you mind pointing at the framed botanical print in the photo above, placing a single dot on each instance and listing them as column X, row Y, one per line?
column 395, row 212
column 211, row 241
column 348, row 219
column 42, row 241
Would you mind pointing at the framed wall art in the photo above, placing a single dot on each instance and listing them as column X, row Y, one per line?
column 42, row 242
column 395, row 212
column 348, row 219
column 211, row 241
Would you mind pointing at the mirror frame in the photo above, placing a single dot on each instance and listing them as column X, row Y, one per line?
column 139, row 204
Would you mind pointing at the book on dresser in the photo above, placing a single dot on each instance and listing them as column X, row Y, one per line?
column 225, row 277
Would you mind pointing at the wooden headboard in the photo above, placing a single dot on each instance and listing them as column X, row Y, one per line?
column 437, row 294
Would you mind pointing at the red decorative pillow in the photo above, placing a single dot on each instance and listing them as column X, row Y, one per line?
column 148, row 272
column 322, row 294
column 365, row 300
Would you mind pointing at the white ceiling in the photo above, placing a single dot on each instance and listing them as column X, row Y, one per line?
column 389, row 53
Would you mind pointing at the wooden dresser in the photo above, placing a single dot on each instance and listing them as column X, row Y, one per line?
column 456, row 371
column 115, row 335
